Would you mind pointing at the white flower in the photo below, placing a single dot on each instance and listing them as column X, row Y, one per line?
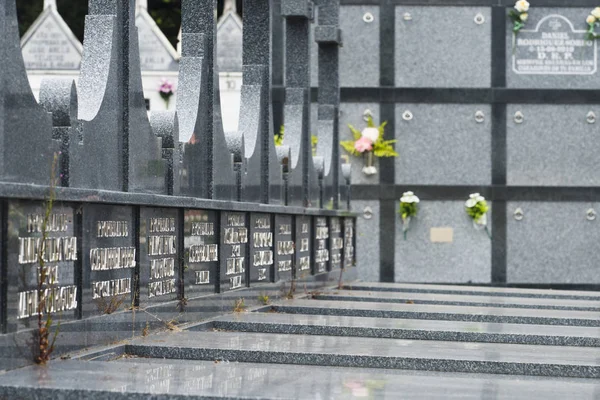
column 590, row 19
column 371, row 133
column 474, row 196
column 524, row 17
column 409, row 197
column 479, row 199
column 522, row 6
column 596, row 12
column 369, row 171
column 471, row 203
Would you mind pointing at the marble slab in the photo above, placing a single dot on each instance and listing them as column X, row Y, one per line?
column 440, row 312
column 406, row 329
column 367, row 239
column 173, row 379
column 372, row 353
column 460, row 300
column 474, row 290
column 201, row 255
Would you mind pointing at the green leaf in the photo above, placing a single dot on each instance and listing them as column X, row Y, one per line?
column 349, row 147
column 355, row 132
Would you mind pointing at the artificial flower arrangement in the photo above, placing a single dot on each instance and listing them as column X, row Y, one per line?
column 370, row 143
column 408, row 209
column 593, row 20
column 477, row 208
column 519, row 15
column 166, row 90
column 279, row 140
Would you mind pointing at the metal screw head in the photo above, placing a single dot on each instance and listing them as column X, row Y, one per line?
column 479, row 19
column 519, row 215
column 479, row 117
column 368, row 213
column 366, row 114
column 368, row 18
column 407, row 16
column 591, row 214
column 407, row 115
column 591, row 118
column 519, row 117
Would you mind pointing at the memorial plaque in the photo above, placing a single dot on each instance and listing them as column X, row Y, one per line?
column 552, row 52
column 554, row 47
column 201, row 260
column 285, row 248
column 156, row 53
column 27, row 287
column 160, row 257
column 336, row 244
column 261, row 248
column 349, row 243
column 321, row 246
column 109, row 258
column 50, row 45
column 234, row 251
column 229, row 43
column 303, row 237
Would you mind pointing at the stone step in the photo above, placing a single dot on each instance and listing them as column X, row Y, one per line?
column 461, row 300
column 408, row 329
column 135, row 379
column 510, row 359
column 473, row 290
column 440, row 312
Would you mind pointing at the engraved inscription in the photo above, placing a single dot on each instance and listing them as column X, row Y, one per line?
column 112, row 229
column 321, row 251
column 115, row 287
column 163, row 249
column 55, row 299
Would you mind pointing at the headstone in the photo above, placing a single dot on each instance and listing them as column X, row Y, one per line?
column 285, row 248
column 321, row 246
column 160, row 256
column 156, row 52
column 201, row 260
column 110, row 258
column 234, row 251
column 207, row 168
column 303, row 237
column 50, row 45
column 28, row 287
column 349, row 243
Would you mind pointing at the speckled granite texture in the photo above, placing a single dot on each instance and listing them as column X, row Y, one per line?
column 466, row 260
column 367, row 240
column 424, row 60
column 531, row 242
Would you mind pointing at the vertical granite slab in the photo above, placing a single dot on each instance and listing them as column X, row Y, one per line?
column 423, row 57
column 552, row 243
column 336, row 243
column 303, row 239
column 201, row 259
column 367, row 239
column 207, row 168
column 110, row 258
column 565, row 143
column 285, row 248
column 98, row 158
column 26, row 128
column 355, row 114
column 442, row 245
column 261, row 248
column 551, row 52
column 443, row 144
column 23, row 246
column 233, row 251
column 160, row 256
column 349, row 242
column 321, row 246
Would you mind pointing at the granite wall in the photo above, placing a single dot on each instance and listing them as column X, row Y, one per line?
column 475, row 108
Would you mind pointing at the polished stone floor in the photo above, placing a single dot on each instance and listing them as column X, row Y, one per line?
column 372, row 341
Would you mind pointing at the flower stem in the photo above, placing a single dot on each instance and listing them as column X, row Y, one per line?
column 488, row 232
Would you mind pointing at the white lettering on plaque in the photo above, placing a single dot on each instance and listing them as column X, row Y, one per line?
column 554, row 47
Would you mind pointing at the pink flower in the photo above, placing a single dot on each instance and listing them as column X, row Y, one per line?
column 363, row 144
column 166, row 86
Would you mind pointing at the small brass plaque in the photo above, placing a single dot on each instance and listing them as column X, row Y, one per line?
column 441, row 235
